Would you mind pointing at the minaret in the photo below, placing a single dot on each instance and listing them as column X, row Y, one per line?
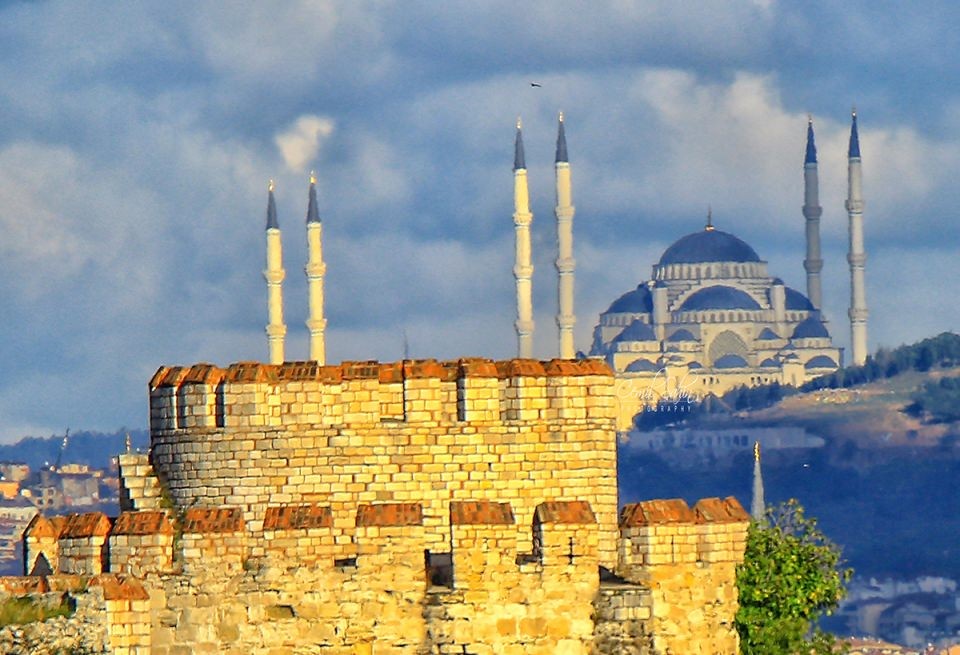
column 757, row 504
column 276, row 330
column 856, row 256
column 812, row 211
column 523, row 269
column 565, row 263
column 315, row 269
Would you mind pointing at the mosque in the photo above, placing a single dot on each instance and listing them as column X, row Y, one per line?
column 711, row 317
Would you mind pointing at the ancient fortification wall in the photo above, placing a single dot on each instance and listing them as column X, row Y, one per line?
column 416, row 508
column 519, row 431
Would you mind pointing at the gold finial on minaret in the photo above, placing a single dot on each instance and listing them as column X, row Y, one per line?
column 809, row 118
column 709, row 226
column 561, row 116
column 853, row 111
column 128, row 444
column 756, row 451
column 313, row 178
column 270, row 186
column 519, row 123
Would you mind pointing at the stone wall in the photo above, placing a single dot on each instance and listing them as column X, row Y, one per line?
column 520, row 431
column 111, row 614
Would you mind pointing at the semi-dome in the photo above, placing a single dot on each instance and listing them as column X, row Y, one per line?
column 793, row 299
column 821, row 361
column 708, row 246
column 730, row 360
column 636, row 301
column 683, row 334
column 641, row 366
column 636, row 331
column 767, row 335
column 811, row 328
column 719, row 297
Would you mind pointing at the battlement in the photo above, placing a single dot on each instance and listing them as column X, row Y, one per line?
column 252, row 394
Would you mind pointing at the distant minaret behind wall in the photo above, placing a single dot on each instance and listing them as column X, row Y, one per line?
column 757, row 503
column 565, row 263
column 856, row 256
column 812, row 212
column 315, row 270
column 522, row 269
column 274, row 274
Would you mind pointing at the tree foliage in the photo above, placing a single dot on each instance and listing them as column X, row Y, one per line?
column 791, row 575
column 939, row 401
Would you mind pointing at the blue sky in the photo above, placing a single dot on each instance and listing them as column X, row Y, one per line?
column 137, row 139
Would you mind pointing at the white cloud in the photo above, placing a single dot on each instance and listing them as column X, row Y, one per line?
column 300, row 143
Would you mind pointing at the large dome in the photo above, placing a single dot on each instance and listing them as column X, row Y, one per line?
column 708, row 246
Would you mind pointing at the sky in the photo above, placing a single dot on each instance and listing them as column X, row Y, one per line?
column 137, row 140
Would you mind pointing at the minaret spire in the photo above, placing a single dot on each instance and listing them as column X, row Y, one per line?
column 857, row 255
column 523, row 268
column 274, row 274
column 565, row 262
column 812, row 211
column 315, row 270
column 757, row 503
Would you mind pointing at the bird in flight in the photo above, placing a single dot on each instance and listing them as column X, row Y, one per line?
column 535, row 84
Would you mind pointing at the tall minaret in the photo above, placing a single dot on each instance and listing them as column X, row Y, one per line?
column 565, row 262
column 315, row 269
column 276, row 330
column 856, row 256
column 523, row 269
column 812, row 212
column 757, row 504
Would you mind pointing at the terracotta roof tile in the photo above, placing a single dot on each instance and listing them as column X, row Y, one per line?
column 91, row 524
column 513, row 368
column 143, row 523
column 390, row 514
column 565, row 511
column 391, row 372
column 653, row 512
column 168, row 377
column 116, row 587
column 208, row 520
column 203, row 374
column 414, row 369
column 717, row 510
column 478, row 368
column 366, row 370
column 251, row 372
column 480, row 512
column 41, row 526
column 21, row 585
column 294, row 517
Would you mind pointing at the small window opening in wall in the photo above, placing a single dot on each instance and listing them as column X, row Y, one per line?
column 570, row 551
column 439, row 568
column 345, row 563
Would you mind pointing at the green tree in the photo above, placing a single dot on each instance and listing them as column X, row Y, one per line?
column 791, row 575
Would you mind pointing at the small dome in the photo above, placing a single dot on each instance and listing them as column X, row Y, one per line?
column 694, row 364
column 683, row 334
column 636, row 331
column 719, row 297
column 820, row 361
column 777, row 281
column 793, row 299
column 811, row 328
column 767, row 335
column 730, row 361
column 708, row 246
column 633, row 302
column 769, row 362
column 641, row 366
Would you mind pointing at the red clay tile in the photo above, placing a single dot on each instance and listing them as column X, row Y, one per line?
column 716, row 510
column 576, row 512
column 203, row 374
column 654, row 512
column 390, row 514
column 476, row 367
column 480, row 512
column 142, row 523
column 209, row 520
column 366, row 370
column 297, row 517
column 91, row 524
